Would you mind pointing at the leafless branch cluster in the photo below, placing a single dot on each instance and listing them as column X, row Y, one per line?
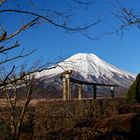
column 17, row 107
column 6, row 50
column 48, row 20
column 128, row 17
column 35, row 19
column 11, row 84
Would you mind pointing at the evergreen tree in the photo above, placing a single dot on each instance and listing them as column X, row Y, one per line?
column 133, row 95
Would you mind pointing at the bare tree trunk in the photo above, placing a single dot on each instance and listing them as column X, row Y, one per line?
column 15, row 119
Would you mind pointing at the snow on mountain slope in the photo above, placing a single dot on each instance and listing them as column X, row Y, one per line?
column 91, row 68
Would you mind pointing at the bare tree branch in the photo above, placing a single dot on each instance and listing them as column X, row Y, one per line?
column 11, row 110
column 127, row 16
column 4, row 34
column 1, row 2
column 2, row 49
column 84, row 2
column 31, row 23
column 17, row 119
column 7, row 77
column 16, row 57
column 75, row 29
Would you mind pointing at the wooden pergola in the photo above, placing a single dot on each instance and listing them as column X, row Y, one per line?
column 67, row 80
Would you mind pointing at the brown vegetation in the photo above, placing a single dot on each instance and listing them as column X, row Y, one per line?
column 102, row 119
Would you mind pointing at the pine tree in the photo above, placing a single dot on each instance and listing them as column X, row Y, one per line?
column 133, row 95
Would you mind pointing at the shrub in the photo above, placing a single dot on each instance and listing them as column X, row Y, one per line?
column 133, row 94
column 4, row 130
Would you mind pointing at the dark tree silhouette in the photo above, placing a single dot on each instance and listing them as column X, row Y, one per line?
column 133, row 95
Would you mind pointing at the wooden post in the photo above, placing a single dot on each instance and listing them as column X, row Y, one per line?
column 79, row 91
column 66, row 85
column 64, row 88
column 112, row 92
column 94, row 91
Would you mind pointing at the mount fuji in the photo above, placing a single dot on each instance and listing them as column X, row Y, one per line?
column 86, row 67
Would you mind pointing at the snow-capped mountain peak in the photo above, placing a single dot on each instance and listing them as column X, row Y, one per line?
column 91, row 68
column 91, row 64
column 86, row 67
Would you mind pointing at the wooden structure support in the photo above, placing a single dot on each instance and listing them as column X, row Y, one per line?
column 64, row 89
column 79, row 91
column 94, row 91
column 95, row 85
column 67, row 79
column 66, row 85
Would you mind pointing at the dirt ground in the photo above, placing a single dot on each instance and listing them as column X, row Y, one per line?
column 33, row 102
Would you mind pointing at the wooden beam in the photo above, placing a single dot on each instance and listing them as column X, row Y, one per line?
column 79, row 91
column 91, row 83
column 94, row 91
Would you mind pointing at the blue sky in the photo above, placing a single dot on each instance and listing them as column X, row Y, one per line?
column 52, row 43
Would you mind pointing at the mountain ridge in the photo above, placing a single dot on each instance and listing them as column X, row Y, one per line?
column 87, row 67
column 86, row 64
